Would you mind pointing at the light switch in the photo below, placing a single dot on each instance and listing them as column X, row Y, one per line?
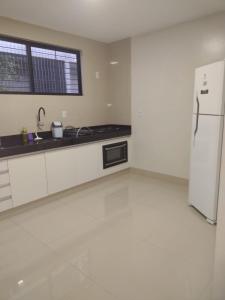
column 140, row 113
column 64, row 114
column 97, row 75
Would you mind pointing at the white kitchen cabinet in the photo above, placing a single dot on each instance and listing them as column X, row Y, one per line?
column 27, row 178
column 6, row 204
column 4, row 178
column 87, row 163
column 5, row 189
column 3, row 166
column 5, row 192
column 70, row 167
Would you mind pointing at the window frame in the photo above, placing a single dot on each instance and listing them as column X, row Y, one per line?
column 30, row 44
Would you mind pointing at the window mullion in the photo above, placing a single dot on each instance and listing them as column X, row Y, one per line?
column 30, row 68
column 79, row 74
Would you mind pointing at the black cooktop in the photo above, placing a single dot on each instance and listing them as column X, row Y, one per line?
column 94, row 130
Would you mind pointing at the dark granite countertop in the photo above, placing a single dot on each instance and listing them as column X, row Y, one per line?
column 13, row 145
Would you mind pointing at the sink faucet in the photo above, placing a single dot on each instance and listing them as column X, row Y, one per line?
column 78, row 131
column 40, row 124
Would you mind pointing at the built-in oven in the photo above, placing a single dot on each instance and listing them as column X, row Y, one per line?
column 115, row 154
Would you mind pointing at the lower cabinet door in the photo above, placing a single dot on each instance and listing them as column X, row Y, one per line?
column 70, row 167
column 87, row 163
column 27, row 178
column 61, row 170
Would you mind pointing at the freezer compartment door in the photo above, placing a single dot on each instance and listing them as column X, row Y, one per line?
column 205, row 164
column 209, row 89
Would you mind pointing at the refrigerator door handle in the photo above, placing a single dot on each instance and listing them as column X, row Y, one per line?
column 197, row 117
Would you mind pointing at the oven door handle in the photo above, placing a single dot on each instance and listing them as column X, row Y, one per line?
column 115, row 147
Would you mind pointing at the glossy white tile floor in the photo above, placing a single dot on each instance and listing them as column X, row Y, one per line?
column 126, row 237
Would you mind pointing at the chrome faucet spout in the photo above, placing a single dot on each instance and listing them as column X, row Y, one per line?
column 41, row 109
column 40, row 124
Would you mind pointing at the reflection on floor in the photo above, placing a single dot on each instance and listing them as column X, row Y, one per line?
column 124, row 237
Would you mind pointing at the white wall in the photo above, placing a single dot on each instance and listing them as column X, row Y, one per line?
column 163, row 66
column 120, row 82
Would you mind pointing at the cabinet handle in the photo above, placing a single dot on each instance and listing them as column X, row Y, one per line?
column 115, row 147
column 4, row 172
column 4, row 185
column 6, row 198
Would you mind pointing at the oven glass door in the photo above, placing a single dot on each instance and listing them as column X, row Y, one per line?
column 114, row 154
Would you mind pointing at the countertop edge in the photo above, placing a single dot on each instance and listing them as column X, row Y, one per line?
column 60, row 147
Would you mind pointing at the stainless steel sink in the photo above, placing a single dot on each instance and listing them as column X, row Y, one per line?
column 46, row 140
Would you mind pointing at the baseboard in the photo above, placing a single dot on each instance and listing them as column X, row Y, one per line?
column 156, row 175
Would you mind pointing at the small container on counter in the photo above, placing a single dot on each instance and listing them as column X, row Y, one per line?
column 57, row 130
column 30, row 137
column 24, row 136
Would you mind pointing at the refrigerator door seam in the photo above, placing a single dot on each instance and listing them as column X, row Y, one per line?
column 210, row 115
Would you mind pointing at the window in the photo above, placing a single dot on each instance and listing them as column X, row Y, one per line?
column 32, row 68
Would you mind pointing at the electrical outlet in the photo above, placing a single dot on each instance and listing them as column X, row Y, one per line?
column 140, row 113
column 97, row 75
column 64, row 114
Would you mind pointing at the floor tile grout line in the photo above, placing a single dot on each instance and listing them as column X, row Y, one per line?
column 138, row 240
column 95, row 281
column 56, row 253
column 33, row 236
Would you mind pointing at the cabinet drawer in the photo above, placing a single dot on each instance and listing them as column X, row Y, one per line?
column 6, row 204
column 5, row 192
column 3, row 165
column 4, row 178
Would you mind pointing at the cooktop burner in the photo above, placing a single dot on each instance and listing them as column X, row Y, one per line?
column 74, row 131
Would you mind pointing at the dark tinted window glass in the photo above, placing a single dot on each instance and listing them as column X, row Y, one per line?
column 30, row 68
column 14, row 68
column 54, row 71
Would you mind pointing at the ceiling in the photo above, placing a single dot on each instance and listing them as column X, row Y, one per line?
column 108, row 20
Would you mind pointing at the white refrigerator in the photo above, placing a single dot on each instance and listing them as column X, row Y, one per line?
column 206, row 143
